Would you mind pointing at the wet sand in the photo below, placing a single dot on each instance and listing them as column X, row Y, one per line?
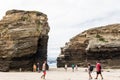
column 60, row 74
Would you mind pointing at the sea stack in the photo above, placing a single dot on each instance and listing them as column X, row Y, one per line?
column 101, row 43
column 23, row 39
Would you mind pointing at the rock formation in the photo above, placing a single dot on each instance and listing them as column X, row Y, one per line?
column 102, row 43
column 23, row 39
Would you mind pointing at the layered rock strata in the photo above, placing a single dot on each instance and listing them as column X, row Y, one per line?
column 23, row 39
column 102, row 43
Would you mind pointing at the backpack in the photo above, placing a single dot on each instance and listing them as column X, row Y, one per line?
column 91, row 68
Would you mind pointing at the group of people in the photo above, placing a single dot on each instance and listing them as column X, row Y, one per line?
column 73, row 67
column 37, row 68
column 90, row 69
column 98, row 70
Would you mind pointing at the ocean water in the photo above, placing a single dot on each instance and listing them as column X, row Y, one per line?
column 52, row 61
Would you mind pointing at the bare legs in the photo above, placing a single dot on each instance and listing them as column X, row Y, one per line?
column 44, row 74
column 90, row 77
column 100, row 75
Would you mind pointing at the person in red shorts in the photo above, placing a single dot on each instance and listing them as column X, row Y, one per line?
column 98, row 69
column 44, row 70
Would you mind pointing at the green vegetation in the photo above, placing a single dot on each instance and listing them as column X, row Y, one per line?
column 100, row 38
column 24, row 18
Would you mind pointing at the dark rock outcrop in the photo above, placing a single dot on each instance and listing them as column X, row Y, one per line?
column 101, row 43
column 23, row 39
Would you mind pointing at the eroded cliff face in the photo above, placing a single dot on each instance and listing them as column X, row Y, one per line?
column 101, row 43
column 23, row 39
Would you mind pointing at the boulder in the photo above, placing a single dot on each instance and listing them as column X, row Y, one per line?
column 101, row 43
column 23, row 39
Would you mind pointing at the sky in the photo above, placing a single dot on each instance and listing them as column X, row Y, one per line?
column 68, row 18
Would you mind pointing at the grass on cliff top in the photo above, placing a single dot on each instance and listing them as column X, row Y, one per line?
column 100, row 38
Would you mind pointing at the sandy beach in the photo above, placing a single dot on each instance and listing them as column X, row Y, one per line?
column 60, row 74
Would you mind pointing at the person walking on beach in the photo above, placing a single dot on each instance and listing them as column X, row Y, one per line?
column 34, row 68
column 65, row 67
column 98, row 69
column 38, row 67
column 76, row 67
column 44, row 70
column 73, row 66
column 90, row 69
